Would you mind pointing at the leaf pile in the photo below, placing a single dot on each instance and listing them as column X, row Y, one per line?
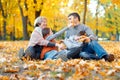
column 12, row 68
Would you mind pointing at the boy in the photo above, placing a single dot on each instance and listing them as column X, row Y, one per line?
column 48, row 52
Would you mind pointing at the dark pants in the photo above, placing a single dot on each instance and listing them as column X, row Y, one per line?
column 74, row 52
column 33, row 51
column 93, row 50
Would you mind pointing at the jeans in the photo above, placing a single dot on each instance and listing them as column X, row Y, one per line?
column 93, row 50
column 74, row 52
column 50, row 55
column 33, row 52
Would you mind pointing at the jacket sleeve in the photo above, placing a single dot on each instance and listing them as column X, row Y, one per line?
column 53, row 36
column 90, row 33
column 37, row 39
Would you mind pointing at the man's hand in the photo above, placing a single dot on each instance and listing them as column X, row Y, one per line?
column 83, row 39
column 87, row 40
column 70, row 25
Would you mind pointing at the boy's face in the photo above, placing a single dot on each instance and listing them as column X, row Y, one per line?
column 73, row 20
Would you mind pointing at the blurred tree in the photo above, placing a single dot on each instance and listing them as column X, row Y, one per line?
column 23, row 10
column 1, row 26
column 29, row 9
column 112, row 20
column 85, row 11
column 17, row 16
column 3, row 8
column 54, row 11
column 96, row 14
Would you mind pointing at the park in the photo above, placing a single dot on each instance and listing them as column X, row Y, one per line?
column 17, row 24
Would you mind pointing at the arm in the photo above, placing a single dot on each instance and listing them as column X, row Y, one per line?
column 56, row 34
column 37, row 39
column 90, row 33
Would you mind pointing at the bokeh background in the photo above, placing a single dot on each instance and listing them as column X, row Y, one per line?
column 17, row 16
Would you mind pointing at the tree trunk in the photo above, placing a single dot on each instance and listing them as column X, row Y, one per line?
column 4, row 30
column 24, row 21
column 37, row 13
column 85, row 10
column 4, row 15
column 25, row 33
column 117, row 34
column 0, row 33
column 97, row 18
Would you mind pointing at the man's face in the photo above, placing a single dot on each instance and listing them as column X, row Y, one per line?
column 73, row 20
column 43, row 23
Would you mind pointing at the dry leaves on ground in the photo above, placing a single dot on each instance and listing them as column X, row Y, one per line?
column 11, row 67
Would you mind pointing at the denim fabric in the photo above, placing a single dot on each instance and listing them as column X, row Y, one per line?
column 92, row 49
column 33, row 51
column 88, row 56
column 74, row 52
column 70, row 53
column 50, row 54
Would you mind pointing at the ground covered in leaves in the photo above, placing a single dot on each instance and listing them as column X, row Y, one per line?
column 12, row 68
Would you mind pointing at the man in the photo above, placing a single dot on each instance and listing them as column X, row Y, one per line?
column 92, row 49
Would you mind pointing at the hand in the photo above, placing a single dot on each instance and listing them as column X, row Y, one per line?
column 79, row 37
column 87, row 40
column 81, row 40
column 71, row 24
column 59, row 45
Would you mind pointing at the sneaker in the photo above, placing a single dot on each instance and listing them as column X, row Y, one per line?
column 21, row 53
column 110, row 58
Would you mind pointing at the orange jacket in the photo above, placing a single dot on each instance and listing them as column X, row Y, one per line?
column 46, row 49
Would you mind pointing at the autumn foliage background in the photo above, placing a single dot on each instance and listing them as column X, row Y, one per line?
column 17, row 16
column 16, row 25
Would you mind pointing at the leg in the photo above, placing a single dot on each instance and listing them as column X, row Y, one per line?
column 61, row 54
column 37, row 49
column 74, row 52
column 68, row 54
column 33, row 52
column 88, row 56
column 50, row 54
column 28, row 52
column 95, row 47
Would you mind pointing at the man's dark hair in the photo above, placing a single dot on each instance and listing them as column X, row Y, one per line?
column 75, row 15
column 45, row 31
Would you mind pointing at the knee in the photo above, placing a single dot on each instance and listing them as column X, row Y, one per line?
column 84, row 55
column 29, row 51
column 93, row 42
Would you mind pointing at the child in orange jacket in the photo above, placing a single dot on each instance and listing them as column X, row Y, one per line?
column 48, row 52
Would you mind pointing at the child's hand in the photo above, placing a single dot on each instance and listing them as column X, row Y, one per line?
column 61, row 45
